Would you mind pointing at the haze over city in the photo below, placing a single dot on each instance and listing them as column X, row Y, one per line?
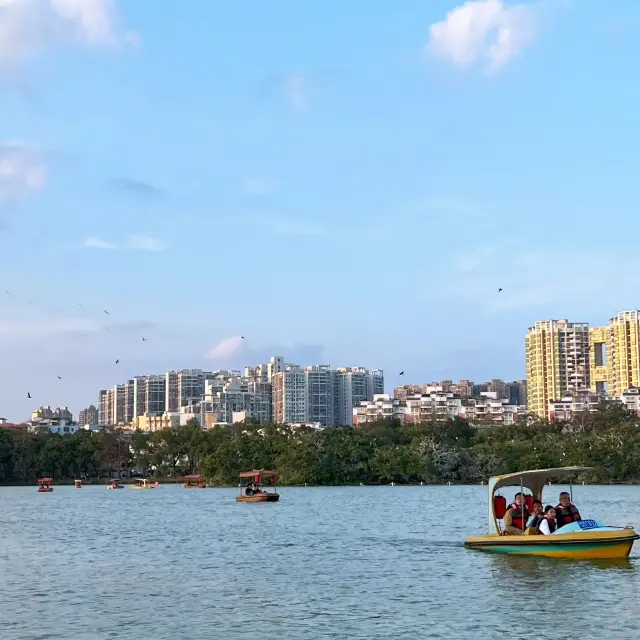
column 345, row 187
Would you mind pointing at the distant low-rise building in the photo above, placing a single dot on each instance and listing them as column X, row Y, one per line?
column 577, row 403
column 382, row 407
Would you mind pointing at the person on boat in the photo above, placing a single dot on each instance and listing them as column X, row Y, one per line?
column 516, row 516
column 566, row 511
column 537, row 515
column 249, row 490
column 548, row 523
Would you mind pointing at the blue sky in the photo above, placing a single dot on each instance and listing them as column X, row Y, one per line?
column 342, row 183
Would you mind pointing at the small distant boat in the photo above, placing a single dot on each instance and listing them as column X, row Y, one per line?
column 143, row 483
column 258, row 495
column 114, row 485
column 44, row 485
column 78, row 484
column 584, row 540
column 194, row 481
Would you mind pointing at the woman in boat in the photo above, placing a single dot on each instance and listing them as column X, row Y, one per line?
column 516, row 516
column 536, row 516
column 548, row 523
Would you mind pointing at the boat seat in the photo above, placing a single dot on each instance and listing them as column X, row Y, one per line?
column 531, row 531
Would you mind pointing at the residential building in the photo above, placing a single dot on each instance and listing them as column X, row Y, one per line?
column 276, row 365
column 402, row 391
column 319, row 383
column 599, row 343
column 352, row 385
column 182, row 387
column 289, row 393
column 47, row 413
column 149, row 395
column 491, row 409
column 88, row 416
column 156, row 421
column 631, row 400
column 433, row 406
column 123, row 403
column 574, row 404
column 557, row 361
column 516, row 392
column 624, row 352
column 105, row 407
column 59, row 426
column 463, row 388
column 380, row 407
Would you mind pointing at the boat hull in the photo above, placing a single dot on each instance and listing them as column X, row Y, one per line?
column 43, row 490
column 592, row 545
column 195, row 486
column 266, row 497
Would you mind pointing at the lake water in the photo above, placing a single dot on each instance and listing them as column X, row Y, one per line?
column 352, row 562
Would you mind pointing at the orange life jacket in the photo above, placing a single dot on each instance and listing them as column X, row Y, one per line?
column 567, row 515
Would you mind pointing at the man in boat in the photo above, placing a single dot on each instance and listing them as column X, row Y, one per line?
column 566, row 511
column 516, row 516
column 249, row 490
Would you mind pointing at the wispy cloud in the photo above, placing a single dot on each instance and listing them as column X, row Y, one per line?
column 226, row 348
column 295, row 88
column 483, row 30
column 136, row 187
column 22, row 170
column 134, row 242
column 30, row 27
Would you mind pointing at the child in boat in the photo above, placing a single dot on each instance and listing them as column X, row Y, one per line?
column 536, row 516
column 548, row 523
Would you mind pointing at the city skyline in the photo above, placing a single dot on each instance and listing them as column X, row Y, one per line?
column 230, row 182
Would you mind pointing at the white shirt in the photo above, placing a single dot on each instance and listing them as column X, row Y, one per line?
column 544, row 527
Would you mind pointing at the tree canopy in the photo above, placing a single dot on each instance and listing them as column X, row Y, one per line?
column 381, row 452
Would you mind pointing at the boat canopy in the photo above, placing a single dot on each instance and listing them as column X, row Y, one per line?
column 263, row 473
column 533, row 480
column 194, row 476
column 45, row 480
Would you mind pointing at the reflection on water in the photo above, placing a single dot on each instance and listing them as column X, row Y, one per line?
column 361, row 562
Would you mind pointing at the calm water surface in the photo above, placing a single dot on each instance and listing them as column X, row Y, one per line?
column 361, row 562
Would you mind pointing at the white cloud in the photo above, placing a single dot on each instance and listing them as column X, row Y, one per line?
column 297, row 88
column 226, row 348
column 22, row 170
column 144, row 243
column 29, row 27
column 483, row 29
column 561, row 279
column 135, row 242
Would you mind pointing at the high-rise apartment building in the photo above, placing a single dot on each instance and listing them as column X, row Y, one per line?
column 123, row 403
column 615, row 354
column 557, row 361
column 88, row 416
column 105, row 407
column 320, row 395
column 149, row 395
column 353, row 385
column 289, row 393
column 183, row 388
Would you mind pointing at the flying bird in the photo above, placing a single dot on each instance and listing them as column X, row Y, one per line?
column 80, row 305
column 28, row 395
column 59, row 378
column 242, row 337
column 106, row 311
column 118, row 360
column 143, row 339
column 7, row 292
column 499, row 290
column 106, row 328
column 401, row 373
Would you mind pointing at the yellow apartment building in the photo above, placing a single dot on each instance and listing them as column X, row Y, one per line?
column 624, row 352
column 557, row 362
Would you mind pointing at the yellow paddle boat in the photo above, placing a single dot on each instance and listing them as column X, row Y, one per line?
column 143, row 483
column 582, row 540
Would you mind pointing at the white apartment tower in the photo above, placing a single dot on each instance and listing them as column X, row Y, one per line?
column 352, row 386
column 320, row 394
column 289, row 393
column 149, row 395
column 183, row 388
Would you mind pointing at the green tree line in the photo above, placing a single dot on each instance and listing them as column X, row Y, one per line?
column 381, row 452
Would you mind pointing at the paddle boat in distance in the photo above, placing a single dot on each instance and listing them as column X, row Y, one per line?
column 115, row 485
column 194, row 481
column 78, row 484
column 259, row 496
column 582, row 540
column 143, row 483
column 44, row 485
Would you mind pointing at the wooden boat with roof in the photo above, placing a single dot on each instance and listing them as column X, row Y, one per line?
column 44, row 485
column 143, row 483
column 194, row 481
column 584, row 540
column 78, row 484
column 247, row 495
